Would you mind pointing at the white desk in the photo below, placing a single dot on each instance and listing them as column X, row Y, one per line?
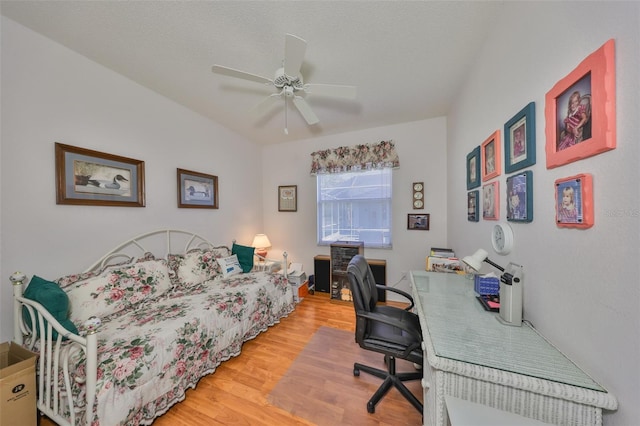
column 471, row 356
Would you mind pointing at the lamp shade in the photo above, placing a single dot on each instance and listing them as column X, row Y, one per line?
column 261, row 241
column 475, row 261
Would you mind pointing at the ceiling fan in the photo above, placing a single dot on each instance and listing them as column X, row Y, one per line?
column 289, row 83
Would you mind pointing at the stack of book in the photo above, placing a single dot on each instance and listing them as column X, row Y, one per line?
column 443, row 260
column 442, row 252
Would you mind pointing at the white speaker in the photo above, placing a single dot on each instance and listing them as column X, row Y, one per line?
column 511, row 295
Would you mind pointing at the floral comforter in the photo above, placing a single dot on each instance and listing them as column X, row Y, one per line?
column 150, row 354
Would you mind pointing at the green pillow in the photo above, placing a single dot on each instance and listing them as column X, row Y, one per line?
column 245, row 256
column 53, row 298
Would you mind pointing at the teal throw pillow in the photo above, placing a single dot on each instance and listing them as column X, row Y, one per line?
column 53, row 298
column 245, row 256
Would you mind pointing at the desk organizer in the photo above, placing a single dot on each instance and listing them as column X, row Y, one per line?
column 486, row 285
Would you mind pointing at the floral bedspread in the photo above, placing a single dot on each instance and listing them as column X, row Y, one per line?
column 150, row 354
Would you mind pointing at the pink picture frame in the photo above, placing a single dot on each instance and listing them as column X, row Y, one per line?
column 490, row 153
column 491, row 201
column 574, row 201
column 580, row 110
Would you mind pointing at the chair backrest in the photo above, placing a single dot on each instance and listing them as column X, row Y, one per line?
column 363, row 291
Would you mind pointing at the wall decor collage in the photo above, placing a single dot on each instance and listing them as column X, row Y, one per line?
column 580, row 122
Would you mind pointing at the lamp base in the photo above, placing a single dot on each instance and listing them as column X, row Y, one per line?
column 262, row 253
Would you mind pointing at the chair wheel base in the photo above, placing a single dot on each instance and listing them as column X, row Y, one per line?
column 356, row 372
column 371, row 408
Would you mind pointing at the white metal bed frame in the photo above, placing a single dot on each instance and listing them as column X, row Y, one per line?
column 54, row 355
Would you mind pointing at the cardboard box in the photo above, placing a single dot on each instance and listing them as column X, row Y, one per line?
column 17, row 385
column 303, row 290
column 444, row 264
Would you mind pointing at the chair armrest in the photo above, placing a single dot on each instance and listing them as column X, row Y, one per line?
column 398, row 291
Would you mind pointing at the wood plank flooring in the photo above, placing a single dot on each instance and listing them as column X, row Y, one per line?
column 237, row 393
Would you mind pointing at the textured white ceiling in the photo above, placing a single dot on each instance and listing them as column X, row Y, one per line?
column 407, row 58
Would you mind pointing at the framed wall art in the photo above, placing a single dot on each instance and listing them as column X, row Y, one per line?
column 520, row 140
column 87, row 177
column 580, row 110
column 473, row 206
column 491, row 201
column 520, row 197
column 288, row 198
column 574, row 201
column 419, row 222
column 197, row 190
column 473, row 168
column 490, row 154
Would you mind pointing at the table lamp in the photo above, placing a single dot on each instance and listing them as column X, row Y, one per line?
column 510, row 287
column 261, row 243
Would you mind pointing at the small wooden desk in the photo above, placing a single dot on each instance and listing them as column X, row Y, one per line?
column 471, row 356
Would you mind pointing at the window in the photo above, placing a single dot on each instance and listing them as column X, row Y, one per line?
column 355, row 206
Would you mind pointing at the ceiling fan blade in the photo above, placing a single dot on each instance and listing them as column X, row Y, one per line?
column 306, row 111
column 264, row 105
column 231, row 72
column 334, row 90
column 294, row 49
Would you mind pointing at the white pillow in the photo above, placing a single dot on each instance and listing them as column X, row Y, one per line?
column 230, row 266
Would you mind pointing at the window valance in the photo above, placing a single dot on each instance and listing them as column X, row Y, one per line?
column 354, row 158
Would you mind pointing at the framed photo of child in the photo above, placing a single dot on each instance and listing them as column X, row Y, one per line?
column 574, row 201
column 520, row 140
column 520, row 197
column 473, row 206
column 491, row 201
column 580, row 110
column 490, row 153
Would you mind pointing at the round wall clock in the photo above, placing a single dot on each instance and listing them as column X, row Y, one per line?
column 418, row 195
column 502, row 238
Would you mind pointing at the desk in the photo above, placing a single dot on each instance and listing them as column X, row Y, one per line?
column 471, row 356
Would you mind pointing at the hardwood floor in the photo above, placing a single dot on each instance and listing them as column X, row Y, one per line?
column 237, row 393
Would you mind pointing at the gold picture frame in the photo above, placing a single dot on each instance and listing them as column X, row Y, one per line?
column 288, row 198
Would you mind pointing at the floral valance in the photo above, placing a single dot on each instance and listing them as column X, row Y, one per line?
column 354, row 158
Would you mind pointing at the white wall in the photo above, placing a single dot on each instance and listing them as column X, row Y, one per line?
column 421, row 147
column 50, row 94
column 581, row 286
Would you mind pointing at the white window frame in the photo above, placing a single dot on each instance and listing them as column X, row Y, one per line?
column 345, row 210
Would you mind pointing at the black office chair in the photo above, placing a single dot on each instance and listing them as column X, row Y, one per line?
column 389, row 330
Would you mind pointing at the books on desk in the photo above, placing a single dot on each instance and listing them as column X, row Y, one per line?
column 441, row 252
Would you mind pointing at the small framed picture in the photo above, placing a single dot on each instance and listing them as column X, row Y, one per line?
column 473, row 208
column 490, row 153
column 520, row 140
column 574, row 201
column 419, row 222
column 473, row 168
column 197, row 190
column 92, row 178
column 288, row 198
column 580, row 110
column 491, row 201
column 520, row 197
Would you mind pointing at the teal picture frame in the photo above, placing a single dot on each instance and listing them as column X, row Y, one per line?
column 473, row 168
column 473, row 206
column 520, row 140
column 520, row 197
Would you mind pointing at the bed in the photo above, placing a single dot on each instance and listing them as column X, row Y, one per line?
column 143, row 324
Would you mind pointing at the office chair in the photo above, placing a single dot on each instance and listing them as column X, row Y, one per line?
column 389, row 330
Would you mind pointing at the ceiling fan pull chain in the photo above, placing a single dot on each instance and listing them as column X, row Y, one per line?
column 286, row 109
